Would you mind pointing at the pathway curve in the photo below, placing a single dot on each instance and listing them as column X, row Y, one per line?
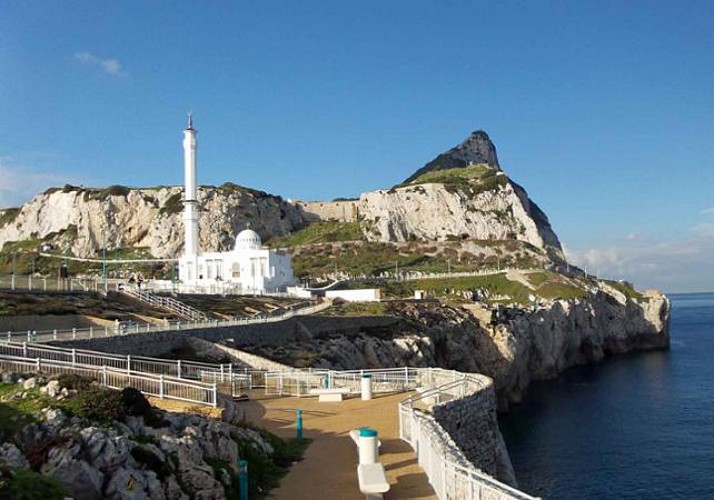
column 329, row 467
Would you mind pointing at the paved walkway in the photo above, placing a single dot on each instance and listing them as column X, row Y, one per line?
column 329, row 467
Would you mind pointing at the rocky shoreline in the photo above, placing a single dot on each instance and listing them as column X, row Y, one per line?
column 518, row 346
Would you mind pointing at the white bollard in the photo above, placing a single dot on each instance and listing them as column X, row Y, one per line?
column 366, row 386
column 368, row 446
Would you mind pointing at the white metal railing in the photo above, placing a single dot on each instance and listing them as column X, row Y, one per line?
column 195, row 370
column 450, row 473
column 32, row 335
column 161, row 386
column 299, row 382
column 169, row 303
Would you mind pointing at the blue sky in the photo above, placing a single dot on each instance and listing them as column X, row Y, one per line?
column 602, row 110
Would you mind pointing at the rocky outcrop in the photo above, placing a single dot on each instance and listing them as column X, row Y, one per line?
column 178, row 456
column 477, row 148
column 84, row 220
column 433, row 212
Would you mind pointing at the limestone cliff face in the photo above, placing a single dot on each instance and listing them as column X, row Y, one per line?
column 523, row 346
column 82, row 219
column 434, row 212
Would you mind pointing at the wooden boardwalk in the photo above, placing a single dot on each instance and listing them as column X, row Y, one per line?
column 329, row 467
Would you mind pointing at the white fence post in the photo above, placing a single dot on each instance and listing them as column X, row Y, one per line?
column 38, row 365
column 161, row 386
column 104, row 375
column 128, row 364
column 74, row 357
column 74, row 333
column 54, row 334
column 215, row 395
column 178, row 368
column 24, row 349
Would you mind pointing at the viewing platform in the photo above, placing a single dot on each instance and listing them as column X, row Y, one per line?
column 329, row 465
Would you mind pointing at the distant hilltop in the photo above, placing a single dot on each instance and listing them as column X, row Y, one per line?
column 460, row 196
column 477, row 148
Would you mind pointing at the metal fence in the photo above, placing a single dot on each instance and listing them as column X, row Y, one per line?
column 301, row 382
column 451, row 475
column 120, row 329
column 206, row 372
column 161, row 386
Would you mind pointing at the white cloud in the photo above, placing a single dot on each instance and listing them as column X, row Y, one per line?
column 668, row 263
column 708, row 211
column 20, row 183
column 110, row 66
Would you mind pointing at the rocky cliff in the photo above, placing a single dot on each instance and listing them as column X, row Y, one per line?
column 517, row 346
column 83, row 220
column 460, row 195
column 477, row 148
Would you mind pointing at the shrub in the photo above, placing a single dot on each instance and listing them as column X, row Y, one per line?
column 23, row 484
column 97, row 403
column 74, row 381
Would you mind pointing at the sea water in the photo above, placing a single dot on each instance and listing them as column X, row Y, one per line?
column 638, row 425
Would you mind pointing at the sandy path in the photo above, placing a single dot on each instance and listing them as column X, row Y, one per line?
column 329, row 467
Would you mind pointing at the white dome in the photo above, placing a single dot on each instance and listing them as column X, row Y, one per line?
column 248, row 240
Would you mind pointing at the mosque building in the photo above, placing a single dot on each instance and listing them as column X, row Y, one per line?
column 248, row 268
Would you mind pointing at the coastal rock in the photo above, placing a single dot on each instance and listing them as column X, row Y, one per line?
column 12, row 456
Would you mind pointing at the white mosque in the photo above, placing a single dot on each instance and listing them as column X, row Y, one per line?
column 248, row 268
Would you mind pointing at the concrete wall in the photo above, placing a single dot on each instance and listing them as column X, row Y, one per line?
column 362, row 295
column 471, row 422
column 345, row 211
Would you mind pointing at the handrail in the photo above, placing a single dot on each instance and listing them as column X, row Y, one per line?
column 121, row 329
column 162, row 386
column 451, row 474
column 169, row 303
column 182, row 369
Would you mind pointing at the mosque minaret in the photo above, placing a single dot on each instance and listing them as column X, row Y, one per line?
column 248, row 268
column 190, row 213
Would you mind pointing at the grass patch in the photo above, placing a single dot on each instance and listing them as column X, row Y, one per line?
column 357, row 309
column 496, row 284
column 560, row 290
column 320, row 232
column 472, row 180
column 16, row 413
column 24, row 484
column 537, row 279
column 625, row 288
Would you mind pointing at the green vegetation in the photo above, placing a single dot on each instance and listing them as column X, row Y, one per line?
column 625, row 288
column 265, row 472
column 16, row 412
column 560, row 290
column 496, row 284
column 538, row 278
column 320, row 232
column 357, row 309
column 172, row 205
column 24, row 484
column 104, row 194
column 8, row 216
column 473, row 180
